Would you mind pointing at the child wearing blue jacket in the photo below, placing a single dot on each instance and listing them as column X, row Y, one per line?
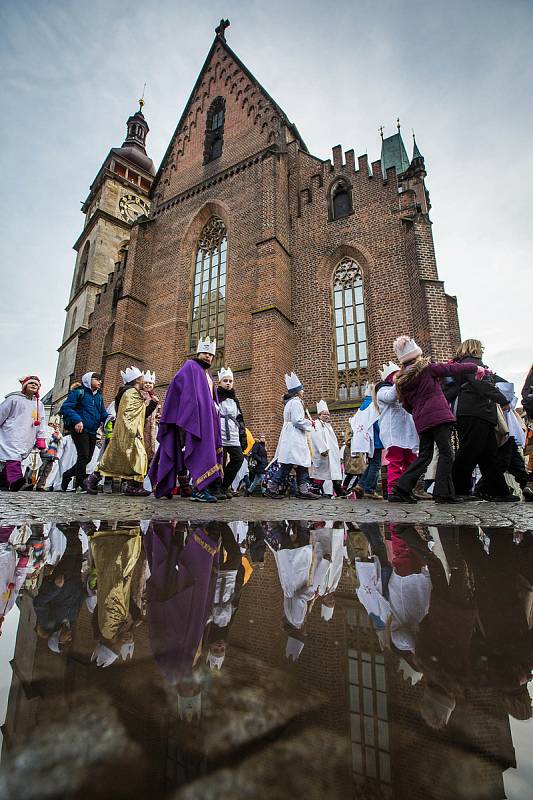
column 83, row 413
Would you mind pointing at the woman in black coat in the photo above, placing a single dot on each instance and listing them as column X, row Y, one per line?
column 475, row 406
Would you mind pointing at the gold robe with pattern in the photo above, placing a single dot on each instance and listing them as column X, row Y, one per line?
column 115, row 555
column 125, row 456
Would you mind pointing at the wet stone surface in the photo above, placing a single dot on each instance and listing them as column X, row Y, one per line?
column 197, row 659
column 65, row 506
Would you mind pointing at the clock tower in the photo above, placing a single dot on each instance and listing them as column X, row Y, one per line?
column 118, row 196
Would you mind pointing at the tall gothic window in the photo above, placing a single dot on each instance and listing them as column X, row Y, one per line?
column 209, row 298
column 214, row 130
column 350, row 330
column 82, row 268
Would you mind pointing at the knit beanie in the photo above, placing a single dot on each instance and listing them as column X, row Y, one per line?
column 406, row 349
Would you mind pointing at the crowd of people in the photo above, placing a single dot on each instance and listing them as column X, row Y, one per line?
column 429, row 594
column 447, row 431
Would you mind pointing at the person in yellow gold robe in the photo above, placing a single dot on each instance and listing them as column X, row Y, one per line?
column 120, row 568
column 125, row 456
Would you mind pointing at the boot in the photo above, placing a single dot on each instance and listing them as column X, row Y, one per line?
column 304, row 491
column 134, row 489
column 185, row 487
column 91, row 483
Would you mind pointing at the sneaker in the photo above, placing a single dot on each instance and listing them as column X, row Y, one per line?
column 372, row 496
column 305, row 493
column 358, row 491
column 202, row 496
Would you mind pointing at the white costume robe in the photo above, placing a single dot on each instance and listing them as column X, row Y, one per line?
column 362, row 425
column 396, row 426
column 330, row 542
column 296, row 571
column 328, row 467
column 18, row 433
column 293, row 445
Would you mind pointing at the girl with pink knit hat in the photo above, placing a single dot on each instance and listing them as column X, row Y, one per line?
column 22, row 427
column 419, row 390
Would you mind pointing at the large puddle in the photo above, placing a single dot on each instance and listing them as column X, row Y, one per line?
column 265, row 660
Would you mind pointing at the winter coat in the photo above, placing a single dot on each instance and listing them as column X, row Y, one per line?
column 396, row 425
column 18, row 432
column 232, row 427
column 259, row 453
column 293, row 445
column 471, row 398
column 84, row 405
column 527, row 394
column 421, row 394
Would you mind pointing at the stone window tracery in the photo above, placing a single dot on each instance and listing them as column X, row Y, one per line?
column 351, row 356
column 209, row 291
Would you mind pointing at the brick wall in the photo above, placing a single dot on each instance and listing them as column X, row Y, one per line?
column 283, row 247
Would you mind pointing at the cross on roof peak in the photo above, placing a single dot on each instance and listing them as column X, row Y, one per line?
column 220, row 30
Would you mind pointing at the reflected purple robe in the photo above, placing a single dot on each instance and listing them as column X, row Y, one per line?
column 180, row 595
column 189, row 433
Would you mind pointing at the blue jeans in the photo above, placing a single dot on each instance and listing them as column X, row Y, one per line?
column 369, row 478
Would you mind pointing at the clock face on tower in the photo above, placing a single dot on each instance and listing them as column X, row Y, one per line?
column 131, row 207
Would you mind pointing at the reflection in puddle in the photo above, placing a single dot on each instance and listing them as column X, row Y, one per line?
column 269, row 659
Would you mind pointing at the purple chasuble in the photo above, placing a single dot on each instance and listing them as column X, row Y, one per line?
column 189, row 433
column 180, row 596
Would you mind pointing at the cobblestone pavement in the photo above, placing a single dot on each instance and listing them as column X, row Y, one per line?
column 63, row 507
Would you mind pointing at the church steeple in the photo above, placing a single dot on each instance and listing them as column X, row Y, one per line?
column 134, row 146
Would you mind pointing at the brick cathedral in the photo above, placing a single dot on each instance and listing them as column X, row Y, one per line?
column 290, row 261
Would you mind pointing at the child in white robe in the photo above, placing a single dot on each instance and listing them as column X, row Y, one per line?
column 294, row 448
column 326, row 463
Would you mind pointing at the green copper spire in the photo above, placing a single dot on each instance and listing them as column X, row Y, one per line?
column 416, row 151
column 393, row 153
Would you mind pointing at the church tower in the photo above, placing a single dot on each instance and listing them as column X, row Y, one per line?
column 118, row 196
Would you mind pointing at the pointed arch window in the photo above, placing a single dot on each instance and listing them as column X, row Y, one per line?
column 82, row 268
column 214, row 130
column 209, row 292
column 351, row 355
column 340, row 200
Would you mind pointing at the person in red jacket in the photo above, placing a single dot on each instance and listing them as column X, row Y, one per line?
column 419, row 390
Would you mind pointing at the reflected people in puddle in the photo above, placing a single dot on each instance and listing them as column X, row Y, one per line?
column 215, row 642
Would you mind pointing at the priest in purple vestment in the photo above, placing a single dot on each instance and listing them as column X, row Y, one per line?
column 189, row 431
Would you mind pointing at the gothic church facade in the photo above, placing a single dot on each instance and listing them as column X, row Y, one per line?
column 290, row 261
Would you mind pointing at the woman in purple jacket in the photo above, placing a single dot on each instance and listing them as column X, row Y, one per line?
column 419, row 391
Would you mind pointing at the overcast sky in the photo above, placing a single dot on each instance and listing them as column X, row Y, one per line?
column 459, row 72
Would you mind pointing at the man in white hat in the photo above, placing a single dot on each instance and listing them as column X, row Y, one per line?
column 189, row 431
column 326, row 463
column 125, row 456
column 294, row 445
